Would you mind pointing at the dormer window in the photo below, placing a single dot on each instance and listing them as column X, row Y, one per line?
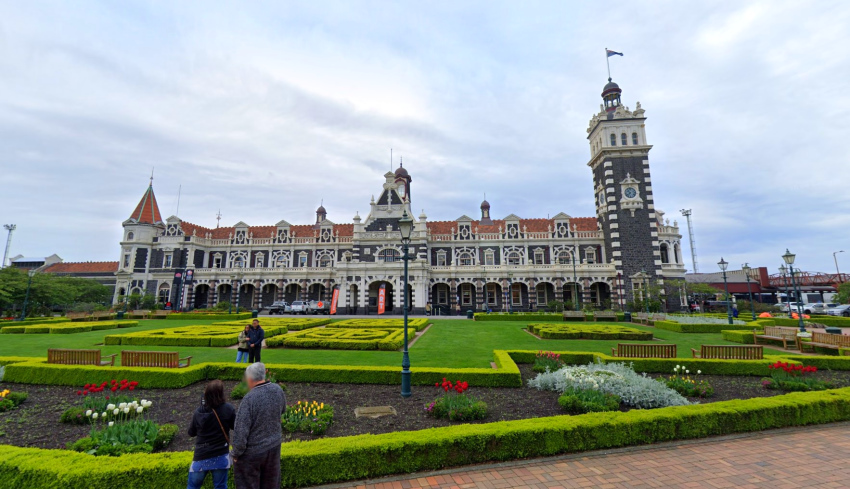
column 634, row 138
column 217, row 261
column 514, row 258
column 465, row 259
column 280, row 262
column 302, row 259
column 239, row 262
column 624, row 139
column 538, row 257
column 259, row 262
column 613, row 140
column 130, row 236
column 564, row 258
column 590, row 255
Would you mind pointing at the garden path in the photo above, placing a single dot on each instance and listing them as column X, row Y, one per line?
column 813, row 456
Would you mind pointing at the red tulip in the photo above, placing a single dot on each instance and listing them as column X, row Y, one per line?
column 114, row 388
column 79, row 393
column 132, row 387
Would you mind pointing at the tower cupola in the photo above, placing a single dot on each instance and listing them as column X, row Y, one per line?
column 321, row 214
column 485, row 213
column 611, row 96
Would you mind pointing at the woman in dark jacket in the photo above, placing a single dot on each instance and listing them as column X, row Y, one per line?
column 211, row 424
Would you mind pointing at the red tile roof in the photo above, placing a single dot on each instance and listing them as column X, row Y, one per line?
column 147, row 211
column 531, row 225
column 83, row 267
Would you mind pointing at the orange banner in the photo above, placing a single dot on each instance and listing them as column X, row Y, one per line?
column 334, row 300
column 382, row 299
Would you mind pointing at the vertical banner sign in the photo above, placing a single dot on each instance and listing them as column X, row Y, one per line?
column 382, row 299
column 334, row 300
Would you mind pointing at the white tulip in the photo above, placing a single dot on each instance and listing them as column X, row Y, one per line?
column 688, row 372
column 140, row 409
column 699, row 372
column 126, row 410
column 94, row 416
column 110, row 407
column 122, row 405
column 116, row 411
column 104, row 414
column 111, row 423
column 88, row 413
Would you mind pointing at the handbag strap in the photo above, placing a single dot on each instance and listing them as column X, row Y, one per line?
column 223, row 431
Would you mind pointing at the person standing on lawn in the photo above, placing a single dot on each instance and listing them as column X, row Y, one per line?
column 242, row 347
column 256, row 335
column 258, row 434
column 211, row 423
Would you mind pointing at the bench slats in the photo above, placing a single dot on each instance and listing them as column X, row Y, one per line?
column 161, row 359
column 777, row 333
column 827, row 340
column 641, row 350
column 730, row 352
column 79, row 357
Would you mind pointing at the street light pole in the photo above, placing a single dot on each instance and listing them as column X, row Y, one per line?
column 723, row 264
column 783, row 270
column 746, row 268
column 405, row 226
column 31, row 273
column 232, row 282
column 835, row 259
column 789, row 259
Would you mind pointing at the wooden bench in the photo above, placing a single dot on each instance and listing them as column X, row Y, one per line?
column 161, row 313
column 639, row 317
column 826, row 340
column 76, row 315
column 97, row 315
column 163, row 359
column 139, row 314
column 605, row 316
column 79, row 357
column 574, row 315
column 729, row 352
column 641, row 350
column 777, row 333
column 655, row 317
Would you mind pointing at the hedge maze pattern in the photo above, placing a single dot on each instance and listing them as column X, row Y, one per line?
column 588, row 332
column 67, row 327
column 417, row 324
column 387, row 339
column 217, row 334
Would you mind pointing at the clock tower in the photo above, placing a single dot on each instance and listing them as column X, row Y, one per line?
column 625, row 210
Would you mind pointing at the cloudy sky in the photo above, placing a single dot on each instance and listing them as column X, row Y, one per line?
column 263, row 109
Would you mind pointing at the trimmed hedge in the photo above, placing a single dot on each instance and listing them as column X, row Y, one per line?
column 29, row 321
column 520, row 316
column 417, row 324
column 744, row 337
column 291, row 324
column 832, row 321
column 390, row 339
column 701, row 328
column 68, row 327
column 331, row 460
column 588, row 332
column 208, row 335
column 186, row 316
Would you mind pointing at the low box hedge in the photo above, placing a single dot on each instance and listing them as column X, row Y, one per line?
column 68, row 327
column 549, row 331
column 389, row 339
column 330, row 460
column 187, row 316
column 415, row 324
column 520, row 316
column 197, row 335
column 738, row 336
column 700, row 328
column 832, row 321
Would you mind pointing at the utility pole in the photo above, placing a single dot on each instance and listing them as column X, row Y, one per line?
column 11, row 228
column 687, row 214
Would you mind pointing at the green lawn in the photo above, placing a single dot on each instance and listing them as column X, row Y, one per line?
column 448, row 343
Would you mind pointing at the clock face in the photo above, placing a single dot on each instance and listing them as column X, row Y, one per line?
column 631, row 193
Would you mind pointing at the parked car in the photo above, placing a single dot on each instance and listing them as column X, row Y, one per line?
column 841, row 310
column 281, row 307
column 298, row 307
column 318, row 307
column 818, row 308
column 795, row 306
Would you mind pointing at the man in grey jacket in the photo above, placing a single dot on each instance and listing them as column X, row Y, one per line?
column 257, row 433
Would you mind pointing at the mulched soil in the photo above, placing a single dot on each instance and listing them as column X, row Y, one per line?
column 36, row 422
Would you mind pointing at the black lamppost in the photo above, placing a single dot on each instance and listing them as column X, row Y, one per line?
column 405, row 227
column 723, row 264
column 31, row 273
column 232, row 282
column 789, row 260
column 238, row 286
column 783, row 270
column 746, row 269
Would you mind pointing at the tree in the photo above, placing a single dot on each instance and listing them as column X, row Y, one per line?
column 844, row 293
column 47, row 292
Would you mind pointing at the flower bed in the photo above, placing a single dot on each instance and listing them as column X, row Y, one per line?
column 208, row 335
column 10, row 400
column 682, row 382
column 455, row 404
column 417, row 324
column 794, row 378
column 342, row 339
column 588, row 332
column 123, row 429
column 313, row 418
column 67, row 327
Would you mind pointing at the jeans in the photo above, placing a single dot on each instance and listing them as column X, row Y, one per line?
column 254, row 354
column 241, row 357
column 258, row 471
column 219, row 477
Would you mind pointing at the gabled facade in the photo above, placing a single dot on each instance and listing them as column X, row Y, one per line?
column 512, row 263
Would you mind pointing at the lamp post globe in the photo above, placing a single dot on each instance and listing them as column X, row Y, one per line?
column 405, row 227
column 746, row 269
column 723, row 264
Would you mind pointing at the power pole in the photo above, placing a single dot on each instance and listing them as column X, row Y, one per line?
column 687, row 214
column 11, row 228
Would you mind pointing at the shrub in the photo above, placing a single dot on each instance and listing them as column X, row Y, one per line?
column 581, row 401
column 635, row 390
column 313, row 418
column 547, row 360
column 455, row 404
column 10, row 400
column 745, row 337
column 700, row 328
column 588, row 332
column 520, row 316
column 343, row 339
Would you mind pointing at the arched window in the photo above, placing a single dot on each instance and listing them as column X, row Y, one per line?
column 325, row 261
column 564, row 258
column 239, row 262
column 464, row 259
column 665, row 254
column 164, row 295
column 634, row 138
column 613, row 140
column 280, row 262
column 130, row 236
column 624, row 139
column 514, row 258
column 388, row 255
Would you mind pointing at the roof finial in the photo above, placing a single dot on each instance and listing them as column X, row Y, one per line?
column 218, row 219
column 401, row 161
column 151, row 184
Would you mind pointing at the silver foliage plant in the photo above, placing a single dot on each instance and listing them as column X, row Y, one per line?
column 685, row 319
column 636, row 390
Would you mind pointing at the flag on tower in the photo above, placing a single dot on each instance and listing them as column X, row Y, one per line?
column 613, row 53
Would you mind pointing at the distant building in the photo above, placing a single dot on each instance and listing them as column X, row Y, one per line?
column 103, row 272
column 511, row 263
column 33, row 263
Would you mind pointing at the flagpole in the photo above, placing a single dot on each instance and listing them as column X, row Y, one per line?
column 608, row 64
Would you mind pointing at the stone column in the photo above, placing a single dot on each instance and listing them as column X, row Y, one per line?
column 258, row 295
column 559, row 290
column 532, row 295
column 479, row 295
column 212, row 299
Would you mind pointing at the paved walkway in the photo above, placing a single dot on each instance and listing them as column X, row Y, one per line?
column 800, row 457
